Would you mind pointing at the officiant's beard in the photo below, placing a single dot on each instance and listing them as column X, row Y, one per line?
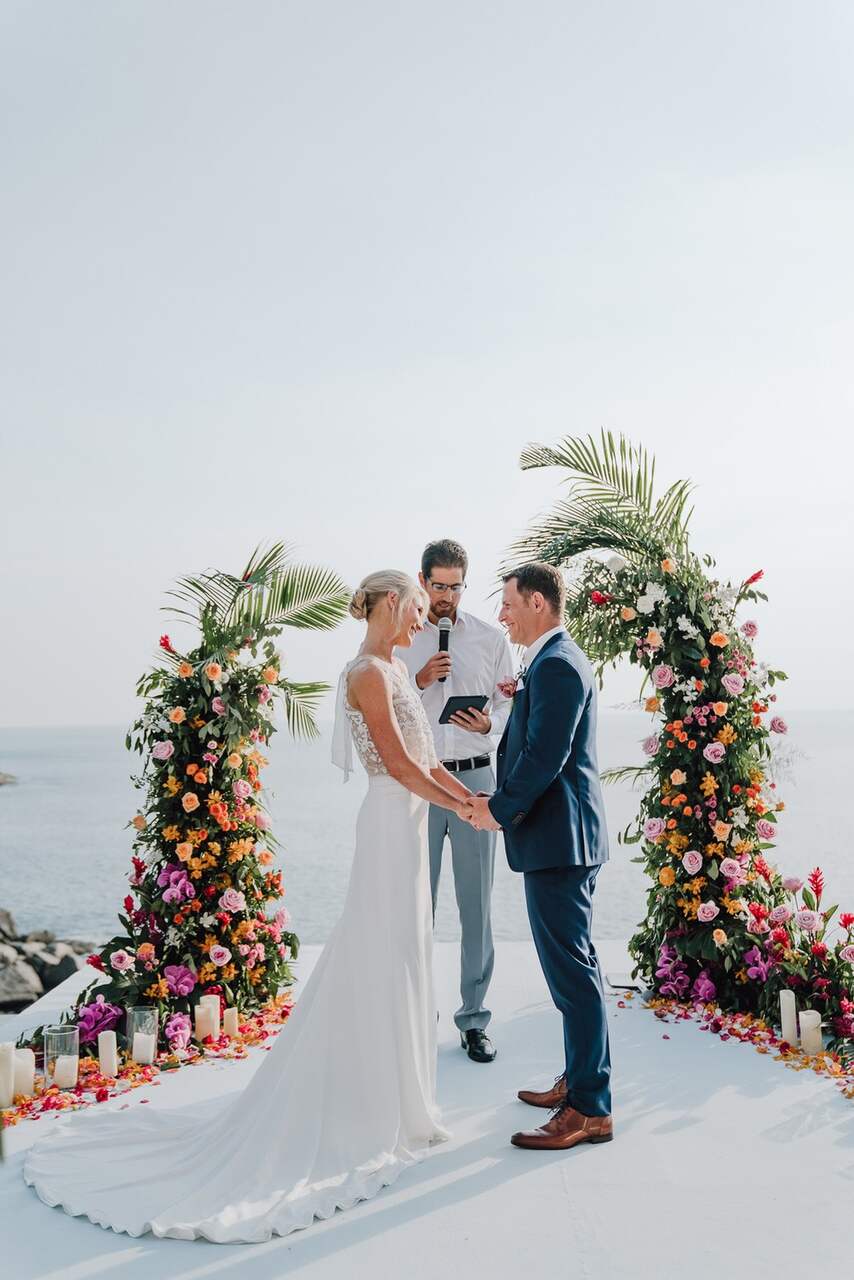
column 442, row 609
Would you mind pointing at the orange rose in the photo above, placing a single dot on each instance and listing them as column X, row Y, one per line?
column 200, row 778
column 705, row 662
column 719, row 640
column 719, row 937
column 184, row 851
column 627, row 613
column 720, row 708
column 269, row 675
column 652, row 705
column 667, row 566
column 235, row 760
column 653, row 639
column 190, row 802
column 177, row 715
column 184, row 670
column 265, row 857
column 666, row 877
column 213, row 671
column 192, row 769
column 677, row 777
column 139, row 822
column 722, row 830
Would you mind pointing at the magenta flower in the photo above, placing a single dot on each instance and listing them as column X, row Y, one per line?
column 750, row 629
column 242, row 789
column 179, row 979
column 220, row 955
column 97, row 1017
column 757, row 968
column 671, row 970
column 163, row 750
column 662, row 676
column 121, row 961
column 263, row 693
column 714, row 752
column 177, row 1031
column 703, row 989
column 765, row 830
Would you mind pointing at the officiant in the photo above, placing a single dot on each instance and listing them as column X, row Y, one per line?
column 477, row 661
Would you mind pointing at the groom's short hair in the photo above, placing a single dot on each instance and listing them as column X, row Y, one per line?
column 542, row 577
column 444, row 554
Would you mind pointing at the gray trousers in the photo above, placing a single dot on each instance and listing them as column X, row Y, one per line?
column 473, row 856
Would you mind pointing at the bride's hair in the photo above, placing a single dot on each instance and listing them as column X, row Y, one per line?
column 372, row 589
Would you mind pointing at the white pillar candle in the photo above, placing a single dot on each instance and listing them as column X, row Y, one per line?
column 25, row 1073
column 789, row 1017
column 108, row 1057
column 212, row 1003
column 7, row 1074
column 204, row 1024
column 143, row 1048
column 230, row 1022
column 65, row 1071
column 811, row 1041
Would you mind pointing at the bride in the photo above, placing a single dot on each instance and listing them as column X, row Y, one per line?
column 346, row 1098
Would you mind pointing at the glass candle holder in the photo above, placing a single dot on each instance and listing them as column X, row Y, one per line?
column 142, row 1033
column 61, row 1056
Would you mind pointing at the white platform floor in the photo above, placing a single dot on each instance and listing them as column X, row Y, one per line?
column 724, row 1164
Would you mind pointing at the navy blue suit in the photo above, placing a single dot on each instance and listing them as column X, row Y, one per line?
column 550, row 807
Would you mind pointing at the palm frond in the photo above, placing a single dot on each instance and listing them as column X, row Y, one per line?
column 308, row 597
column 633, row 772
column 301, row 702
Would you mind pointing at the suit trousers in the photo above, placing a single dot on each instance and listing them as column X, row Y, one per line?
column 560, row 909
column 473, row 857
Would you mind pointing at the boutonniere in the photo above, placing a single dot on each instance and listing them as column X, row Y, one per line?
column 507, row 688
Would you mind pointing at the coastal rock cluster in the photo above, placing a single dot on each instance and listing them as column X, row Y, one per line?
column 33, row 963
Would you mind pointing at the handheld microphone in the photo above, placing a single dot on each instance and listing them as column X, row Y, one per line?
column 444, row 625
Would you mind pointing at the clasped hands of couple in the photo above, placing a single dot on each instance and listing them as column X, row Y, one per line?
column 476, row 810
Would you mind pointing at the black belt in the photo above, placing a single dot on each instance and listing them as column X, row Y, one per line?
column 460, row 766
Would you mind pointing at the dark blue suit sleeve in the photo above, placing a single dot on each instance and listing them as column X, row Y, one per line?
column 557, row 698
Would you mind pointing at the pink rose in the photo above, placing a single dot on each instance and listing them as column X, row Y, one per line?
column 778, row 725
column 733, row 683
column 262, row 821
column 662, row 676
column 220, row 955
column 654, row 827
column 765, row 829
column 780, row 914
column 749, row 629
column 242, row 789
column 809, row 921
column 121, row 961
column 692, row 861
column 714, row 752
column 162, row 750
column 707, row 911
column 264, row 694
column 218, row 706
column 731, row 869
column 649, row 746
column 847, row 954
column 507, row 688
column 792, row 884
column 232, row 900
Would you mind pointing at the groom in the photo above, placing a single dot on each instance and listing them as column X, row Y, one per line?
column 549, row 805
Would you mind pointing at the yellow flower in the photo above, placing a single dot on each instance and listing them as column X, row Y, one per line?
column 206, row 973
column 190, row 802
column 177, row 715
column 198, row 722
column 184, row 851
column 744, row 846
column 171, row 786
column 139, row 822
column 709, row 784
column 158, row 990
column 667, row 566
column 719, row 639
column 171, row 832
column 235, row 760
column 667, row 877
column 688, row 907
column 184, row 670
column 726, row 735
column 228, row 974
column 628, row 614
column 652, row 705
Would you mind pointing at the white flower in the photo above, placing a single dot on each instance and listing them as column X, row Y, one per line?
column 616, row 563
column 686, row 626
column 654, row 595
column 207, row 922
column 728, row 596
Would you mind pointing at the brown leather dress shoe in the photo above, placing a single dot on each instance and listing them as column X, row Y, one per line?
column 565, row 1129
column 549, row 1098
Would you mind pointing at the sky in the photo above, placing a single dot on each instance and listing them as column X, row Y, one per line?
column 318, row 272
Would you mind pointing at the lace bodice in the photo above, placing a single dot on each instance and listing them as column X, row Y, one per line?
column 411, row 717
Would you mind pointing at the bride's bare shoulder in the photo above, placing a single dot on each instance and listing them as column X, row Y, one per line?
column 367, row 678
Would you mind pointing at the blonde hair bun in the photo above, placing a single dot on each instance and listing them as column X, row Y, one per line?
column 375, row 586
column 359, row 604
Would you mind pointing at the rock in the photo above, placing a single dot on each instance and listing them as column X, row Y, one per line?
column 8, row 954
column 19, row 985
column 53, row 974
column 6, row 778
column 8, row 928
column 40, row 935
column 83, row 948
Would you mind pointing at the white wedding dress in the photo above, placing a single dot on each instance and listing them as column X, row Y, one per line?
column 344, row 1101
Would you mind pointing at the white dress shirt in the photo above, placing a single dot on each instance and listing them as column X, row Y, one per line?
column 533, row 649
column 481, row 659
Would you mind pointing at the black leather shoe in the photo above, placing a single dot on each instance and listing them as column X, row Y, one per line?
column 478, row 1045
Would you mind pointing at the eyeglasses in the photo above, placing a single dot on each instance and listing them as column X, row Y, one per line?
column 441, row 587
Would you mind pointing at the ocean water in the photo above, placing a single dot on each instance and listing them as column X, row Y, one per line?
column 64, row 853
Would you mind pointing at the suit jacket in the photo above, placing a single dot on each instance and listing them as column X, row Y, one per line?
column 549, row 798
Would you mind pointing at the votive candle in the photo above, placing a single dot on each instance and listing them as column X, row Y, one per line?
column 143, row 1048
column 65, row 1071
column 789, row 1017
column 230, row 1022
column 7, row 1074
column 204, row 1021
column 212, row 1003
column 25, row 1073
column 108, row 1056
column 811, row 1041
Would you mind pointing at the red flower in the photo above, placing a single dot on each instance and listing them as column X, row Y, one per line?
column 819, row 950
column 761, row 866
column 758, row 910
column 600, row 597
column 780, row 935
column 754, row 577
column 96, row 962
column 166, row 643
column 128, row 903
column 815, row 879
column 846, row 919
column 101, row 1095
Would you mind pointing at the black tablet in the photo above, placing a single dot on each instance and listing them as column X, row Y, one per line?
column 475, row 701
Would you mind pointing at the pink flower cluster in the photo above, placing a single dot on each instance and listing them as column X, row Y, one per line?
column 175, row 882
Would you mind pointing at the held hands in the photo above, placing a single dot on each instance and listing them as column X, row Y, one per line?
column 476, row 811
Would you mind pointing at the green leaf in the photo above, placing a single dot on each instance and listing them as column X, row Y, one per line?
column 808, row 898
